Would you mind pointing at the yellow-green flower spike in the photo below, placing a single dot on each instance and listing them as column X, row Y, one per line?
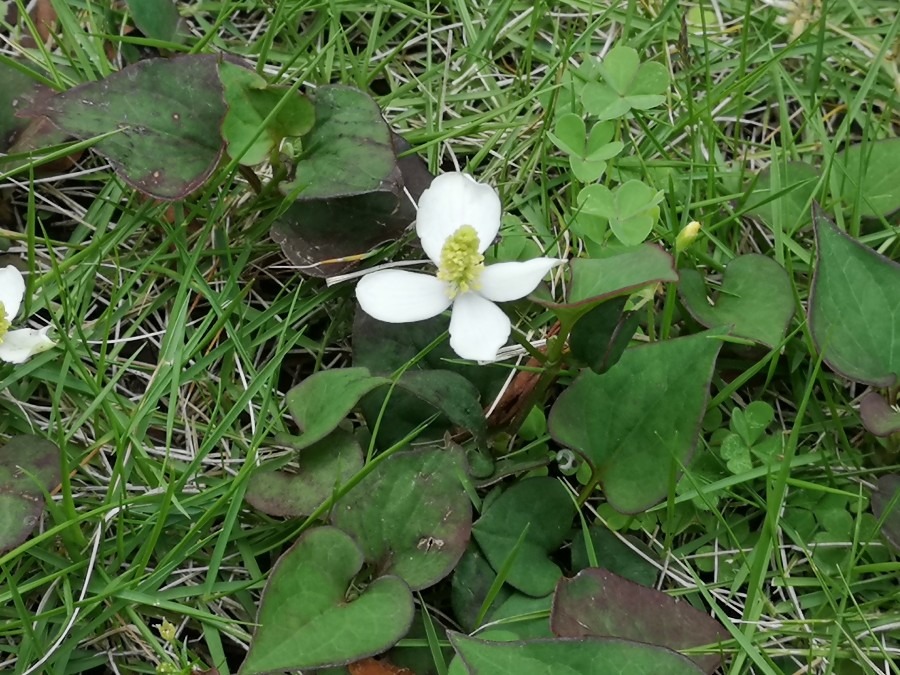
column 4, row 322
column 461, row 263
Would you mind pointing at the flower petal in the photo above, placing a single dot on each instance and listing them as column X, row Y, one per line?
column 20, row 345
column 397, row 296
column 478, row 328
column 507, row 281
column 453, row 200
column 12, row 290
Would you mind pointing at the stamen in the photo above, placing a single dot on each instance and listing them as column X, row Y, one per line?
column 4, row 322
column 461, row 263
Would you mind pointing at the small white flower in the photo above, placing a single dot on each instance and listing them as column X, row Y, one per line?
column 457, row 220
column 17, row 346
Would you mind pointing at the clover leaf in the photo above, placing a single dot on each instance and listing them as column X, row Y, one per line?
column 631, row 209
column 587, row 152
column 627, row 85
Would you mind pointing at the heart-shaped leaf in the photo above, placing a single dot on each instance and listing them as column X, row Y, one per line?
column 596, row 280
column 598, row 603
column 584, row 656
column 323, row 400
column 886, row 507
column 29, row 466
column 356, row 153
column 543, row 507
column 755, row 299
column 782, row 194
column 159, row 119
column 16, row 90
column 877, row 416
column 321, row 468
column 310, row 616
column 638, row 423
column 616, row 556
column 569, row 134
column 472, row 580
column 250, row 101
column 854, row 308
column 869, row 175
column 411, row 515
column 157, row 19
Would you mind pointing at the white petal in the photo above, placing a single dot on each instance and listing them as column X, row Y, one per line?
column 454, row 200
column 397, row 296
column 20, row 345
column 12, row 290
column 507, row 281
column 478, row 328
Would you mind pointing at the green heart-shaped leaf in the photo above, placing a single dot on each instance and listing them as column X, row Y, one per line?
column 159, row 119
column 411, row 515
column 869, row 175
column 543, row 507
column 309, row 616
column 29, row 466
column 584, row 656
column 755, row 299
column 569, row 134
column 157, row 19
column 348, row 152
column 596, row 280
column 587, row 171
column 639, row 422
column 321, row 468
column 854, row 308
column 619, row 68
column 599, row 603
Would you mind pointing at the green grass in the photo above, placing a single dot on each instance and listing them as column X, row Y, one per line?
column 181, row 331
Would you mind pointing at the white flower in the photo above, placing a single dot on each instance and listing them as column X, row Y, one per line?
column 457, row 220
column 17, row 346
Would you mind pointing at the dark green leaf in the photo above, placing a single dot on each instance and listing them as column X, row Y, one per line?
column 616, row 556
column 29, row 467
column 544, row 507
column 600, row 337
column 870, row 176
column 321, row 468
column 157, row 19
column 584, row 656
column 638, row 423
column 163, row 118
column 854, row 308
column 323, row 400
column 755, row 299
column 310, row 617
column 471, row 582
column 599, row 603
column 411, row 515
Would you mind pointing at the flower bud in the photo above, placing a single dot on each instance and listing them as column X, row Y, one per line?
column 686, row 237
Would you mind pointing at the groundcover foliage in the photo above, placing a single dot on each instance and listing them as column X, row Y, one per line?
column 449, row 338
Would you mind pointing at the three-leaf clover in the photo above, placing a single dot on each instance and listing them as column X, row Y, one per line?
column 627, row 84
column 748, row 438
column 587, row 152
column 631, row 209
